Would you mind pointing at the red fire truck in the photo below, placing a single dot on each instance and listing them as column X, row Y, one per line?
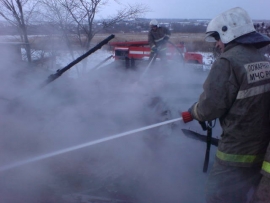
column 139, row 50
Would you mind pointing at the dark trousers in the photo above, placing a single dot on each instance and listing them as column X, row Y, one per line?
column 229, row 184
column 262, row 193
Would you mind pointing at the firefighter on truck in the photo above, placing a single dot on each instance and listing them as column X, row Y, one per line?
column 157, row 38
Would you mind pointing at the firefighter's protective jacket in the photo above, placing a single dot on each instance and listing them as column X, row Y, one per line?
column 237, row 91
column 156, row 37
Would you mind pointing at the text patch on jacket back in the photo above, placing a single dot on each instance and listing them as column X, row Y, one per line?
column 258, row 71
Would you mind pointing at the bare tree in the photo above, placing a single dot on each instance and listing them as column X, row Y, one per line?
column 75, row 19
column 55, row 14
column 84, row 13
column 79, row 15
column 18, row 13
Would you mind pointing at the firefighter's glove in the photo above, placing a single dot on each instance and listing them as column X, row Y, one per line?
column 154, row 49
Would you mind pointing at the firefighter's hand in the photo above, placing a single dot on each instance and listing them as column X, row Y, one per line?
column 154, row 49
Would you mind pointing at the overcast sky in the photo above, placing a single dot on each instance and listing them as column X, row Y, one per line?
column 258, row 9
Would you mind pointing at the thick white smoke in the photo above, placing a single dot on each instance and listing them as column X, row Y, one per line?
column 158, row 165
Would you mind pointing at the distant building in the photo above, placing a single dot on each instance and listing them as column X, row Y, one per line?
column 165, row 24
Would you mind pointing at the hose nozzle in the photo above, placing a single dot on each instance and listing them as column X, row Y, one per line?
column 187, row 117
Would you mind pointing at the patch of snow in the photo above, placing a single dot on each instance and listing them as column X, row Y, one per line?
column 208, row 60
column 36, row 54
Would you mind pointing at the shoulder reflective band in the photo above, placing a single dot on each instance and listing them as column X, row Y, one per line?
column 266, row 166
column 239, row 158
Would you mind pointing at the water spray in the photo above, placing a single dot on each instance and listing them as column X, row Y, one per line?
column 150, row 63
column 48, row 155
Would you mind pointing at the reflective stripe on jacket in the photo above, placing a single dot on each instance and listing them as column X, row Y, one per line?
column 266, row 167
column 236, row 158
column 237, row 91
column 266, row 163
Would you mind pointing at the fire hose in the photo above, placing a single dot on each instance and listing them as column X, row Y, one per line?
column 102, row 62
column 149, row 64
column 206, row 126
column 154, row 58
column 180, row 52
column 155, row 55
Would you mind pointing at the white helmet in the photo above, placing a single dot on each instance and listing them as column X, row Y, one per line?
column 153, row 23
column 229, row 25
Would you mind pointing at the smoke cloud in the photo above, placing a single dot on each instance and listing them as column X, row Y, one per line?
column 157, row 165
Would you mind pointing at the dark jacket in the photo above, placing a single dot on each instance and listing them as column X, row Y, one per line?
column 237, row 91
column 155, row 38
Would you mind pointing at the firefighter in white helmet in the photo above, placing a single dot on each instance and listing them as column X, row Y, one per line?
column 237, row 91
column 157, row 38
